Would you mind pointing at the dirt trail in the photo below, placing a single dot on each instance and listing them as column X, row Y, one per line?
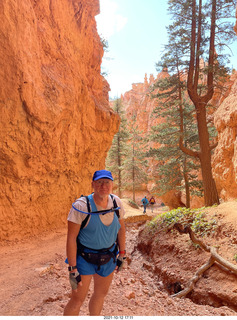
column 34, row 282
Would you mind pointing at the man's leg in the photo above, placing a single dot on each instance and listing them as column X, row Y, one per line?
column 101, row 288
column 78, row 296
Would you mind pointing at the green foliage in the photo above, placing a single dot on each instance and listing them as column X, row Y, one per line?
column 235, row 257
column 135, row 163
column 133, row 204
column 177, row 171
column 179, row 129
column 202, row 226
column 195, row 245
column 105, row 44
column 117, row 153
column 196, row 218
column 180, row 30
column 127, row 155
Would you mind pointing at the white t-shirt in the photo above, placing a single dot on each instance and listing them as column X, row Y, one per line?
column 106, row 219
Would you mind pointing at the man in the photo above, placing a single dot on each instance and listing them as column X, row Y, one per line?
column 100, row 232
column 145, row 203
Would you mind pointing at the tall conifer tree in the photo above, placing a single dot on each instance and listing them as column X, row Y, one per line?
column 197, row 31
column 116, row 155
column 174, row 170
column 135, row 164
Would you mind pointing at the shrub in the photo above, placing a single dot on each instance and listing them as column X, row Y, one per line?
column 196, row 218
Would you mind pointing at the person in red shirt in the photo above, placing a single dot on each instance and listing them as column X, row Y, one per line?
column 152, row 201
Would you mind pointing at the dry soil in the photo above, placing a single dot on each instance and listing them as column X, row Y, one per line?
column 34, row 277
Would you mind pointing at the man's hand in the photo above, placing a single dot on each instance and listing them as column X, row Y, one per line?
column 120, row 263
column 74, row 278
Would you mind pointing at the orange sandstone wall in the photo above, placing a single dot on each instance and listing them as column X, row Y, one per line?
column 56, row 125
column 225, row 156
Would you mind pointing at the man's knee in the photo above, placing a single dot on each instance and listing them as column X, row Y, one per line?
column 78, row 297
column 73, row 306
column 101, row 292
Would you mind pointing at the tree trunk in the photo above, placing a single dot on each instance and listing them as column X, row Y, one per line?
column 209, row 185
column 133, row 177
column 181, row 141
column 120, row 184
column 119, row 170
column 200, row 102
column 186, row 182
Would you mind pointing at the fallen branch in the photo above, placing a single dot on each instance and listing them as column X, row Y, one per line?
column 215, row 257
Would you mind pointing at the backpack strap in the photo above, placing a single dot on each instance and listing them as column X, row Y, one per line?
column 115, row 205
column 87, row 217
column 84, row 222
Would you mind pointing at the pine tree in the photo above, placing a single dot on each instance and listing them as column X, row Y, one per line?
column 116, row 155
column 135, row 165
column 174, row 170
column 194, row 35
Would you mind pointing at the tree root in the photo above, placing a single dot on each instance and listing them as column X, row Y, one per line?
column 215, row 258
column 194, row 279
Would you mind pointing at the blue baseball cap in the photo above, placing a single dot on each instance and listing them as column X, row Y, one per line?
column 102, row 174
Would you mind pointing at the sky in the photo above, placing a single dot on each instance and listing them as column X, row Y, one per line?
column 136, row 35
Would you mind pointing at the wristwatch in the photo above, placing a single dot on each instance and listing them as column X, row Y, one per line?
column 72, row 268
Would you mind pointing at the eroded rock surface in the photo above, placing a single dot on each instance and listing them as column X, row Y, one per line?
column 56, row 125
column 225, row 156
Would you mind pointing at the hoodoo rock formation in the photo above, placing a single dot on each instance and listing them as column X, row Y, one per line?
column 56, row 125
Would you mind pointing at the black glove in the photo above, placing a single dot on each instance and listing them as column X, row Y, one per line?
column 74, row 278
column 120, row 263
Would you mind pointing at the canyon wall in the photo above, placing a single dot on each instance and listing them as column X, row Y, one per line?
column 56, row 125
column 225, row 156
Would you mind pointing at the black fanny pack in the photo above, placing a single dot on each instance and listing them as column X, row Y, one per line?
column 97, row 258
column 100, row 257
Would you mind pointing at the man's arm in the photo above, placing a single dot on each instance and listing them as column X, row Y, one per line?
column 73, row 230
column 121, row 237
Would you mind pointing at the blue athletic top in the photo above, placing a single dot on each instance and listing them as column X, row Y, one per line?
column 145, row 201
column 96, row 235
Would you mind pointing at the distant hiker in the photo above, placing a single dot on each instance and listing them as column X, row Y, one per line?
column 152, row 201
column 145, row 203
column 92, row 246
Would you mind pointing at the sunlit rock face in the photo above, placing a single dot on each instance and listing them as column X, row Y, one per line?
column 225, row 155
column 56, row 125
